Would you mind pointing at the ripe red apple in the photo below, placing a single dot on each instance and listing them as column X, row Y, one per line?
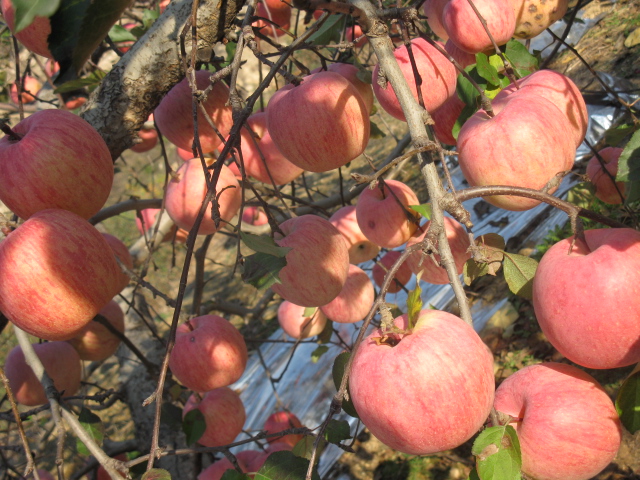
column 325, row 107
column 586, row 301
column 248, row 460
column 184, row 154
column 350, row 72
column 149, row 137
column 458, row 242
column 224, row 415
column 48, row 168
column 294, row 323
column 383, row 214
column 174, row 115
column 163, row 4
column 402, row 276
column 31, row 87
column 433, row 11
column 35, row 36
column 317, row 263
column 254, row 216
column 425, row 391
column 186, row 191
column 605, row 188
column 437, row 72
column 276, row 11
column 209, row 353
column 567, row 425
column 75, row 269
column 280, row 421
column 463, row 58
column 121, row 251
column 95, row 342
column 60, row 361
column 445, row 118
column 361, row 248
column 75, row 102
column 353, row 33
column 354, row 300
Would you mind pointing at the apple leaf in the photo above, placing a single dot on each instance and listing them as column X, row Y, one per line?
column 375, row 131
column 629, row 162
column 308, row 311
column 497, row 451
column 473, row 270
column 364, row 75
column 318, row 352
column 519, row 271
column 285, row 466
column 194, row 426
column 304, row 447
column 615, row 136
column 521, row 60
column 325, row 335
column 120, row 34
column 261, row 270
column 473, row 475
column 156, row 474
column 337, row 372
column 491, row 240
column 424, row 210
column 628, row 403
column 487, row 257
column 337, row 431
column 27, row 10
column 632, row 192
column 467, row 92
column 414, row 303
column 466, row 113
column 232, row 474
column 94, row 427
column 91, row 82
column 329, row 31
column 263, row 244
column 486, row 70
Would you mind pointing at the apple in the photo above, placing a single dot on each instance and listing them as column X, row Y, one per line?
column 382, row 266
column 567, row 425
column 445, row 118
column 360, row 247
column 463, row 58
column 47, row 168
column 317, row 263
column 383, row 214
column 354, row 300
column 163, row 4
column 75, row 269
column 125, row 46
column 276, row 11
column 426, row 390
column 209, row 353
column 280, row 421
column 254, row 216
column 350, row 72
column 458, row 242
column 60, row 361
column 149, row 137
column 149, row 216
column 35, row 36
column 325, row 107
column 437, row 72
column 30, row 87
column 248, row 460
column 121, row 251
column 75, row 102
column 95, row 342
column 223, row 412
column 184, row 154
column 585, row 298
column 187, row 189
column 433, row 11
column 174, row 115
column 353, row 33
column 294, row 323
column 605, row 189
column 535, row 16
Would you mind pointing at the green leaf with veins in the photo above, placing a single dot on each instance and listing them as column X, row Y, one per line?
column 264, row 244
column 424, row 210
column 337, row 431
column 94, row 427
column 519, row 271
column 27, row 10
column 629, row 162
column 497, row 452
column 261, row 269
column 628, row 403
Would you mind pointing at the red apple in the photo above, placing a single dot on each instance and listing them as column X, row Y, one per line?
column 59, row 161
column 276, row 11
column 360, row 247
column 445, row 118
column 248, row 460
column 605, row 187
column 567, row 425
column 31, row 87
column 254, row 216
column 209, row 353
column 75, row 102
column 35, row 36
column 149, row 137
column 163, row 4
column 95, row 342
column 293, row 321
column 424, row 391
column 75, row 269
column 325, row 107
column 463, row 58
column 354, row 300
column 433, row 11
column 350, row 72
column 184, row 154
column 121, row 251
column 60, row 361
column 382, row 266
column 586, row 301
column 280, row 421
column 354, row 33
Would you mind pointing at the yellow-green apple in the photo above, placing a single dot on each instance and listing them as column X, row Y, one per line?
column 567, row 425
column 445, row 118
column 296, row 324
column 147, row 219
column 382, row 266
column 174, row 115
column 326, row 107
column 592, row 319
column 280, row 421
column 42, row 167
column 30, row 87
column 187, row 189
column 148, row 136
column 95, row 342
column 354, row 300
column 317, row 263
column 75, row 268
column 433, row 11
column 35, row 36
column 606, row 187
column 384, row 215
column 465, row 29
column 525, row 144
column 223, row 412
column 426, row 390
column 60, row 361
column 360, row 247
column 254, row 216
column 437, row 72
column 209, row 353
column 350, row 72
column 431, row 272
column 535, row 16
column 121, row 251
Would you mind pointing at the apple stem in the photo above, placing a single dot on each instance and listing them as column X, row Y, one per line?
column 189, row 326
column 10, row 133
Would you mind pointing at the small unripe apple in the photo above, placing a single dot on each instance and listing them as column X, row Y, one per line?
column 361, row 248
column 294, row 323
column 95, row 342
column 605, row 186
column 382, row 266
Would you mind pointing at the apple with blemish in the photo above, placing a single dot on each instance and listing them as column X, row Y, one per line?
column 361, row 248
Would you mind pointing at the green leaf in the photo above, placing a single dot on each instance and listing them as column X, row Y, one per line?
column 473, row 270
column 519, row 271
column 261, row 270
column 375, row 131
column 308, row 311
column 120, row 34
column 615, row 136
column 337, row 372
column 632, row 192
column 91, row 81
column 497, row 451
column 318, row 352
column 467, row 92
column 156, row 474
column 473, row 475
column 424, row 210
column 194, row 425
column 629, row 162
column 230, row 48
column 149, row 17
column 337, row 431
column 628, row 403
column 27, row 10
column 466, row 113
column 285, row 466
column 264, row 244
column 414, row 303
column 232, row 474
column 94, row 427
column 325, row 335
column 329, row 31
column 521, row 60
column 486, row 70
column 364, row 75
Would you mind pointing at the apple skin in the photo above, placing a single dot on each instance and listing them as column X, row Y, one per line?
column 174, row 115
column 209, row 354
column 463, row 58
column 360, row 247
column 433, row 11
column 605, row 189
column 325, row 107
column 33, row 37
column 31, row 87
column 350, row 72
column 403, row 275
column 101, row 473
column 586, row 301
column 354, row 300
column 293, row 322
column 254, row 216
column 60, row 361
column 567, row 425
column 353, row 33
column 445, row 118
column 280, row 421
column 382, row 219
column 95, row 342
column 44, row 169
column 186, row 191
column 437, row 72
column 149, row 137
column 430, row 392
column 248, row 460
column 458, row 242
column 317, row 263
column 76, row 271
column 535, row 16
column 278, row 12
column 224, row 415
column 121, row 251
